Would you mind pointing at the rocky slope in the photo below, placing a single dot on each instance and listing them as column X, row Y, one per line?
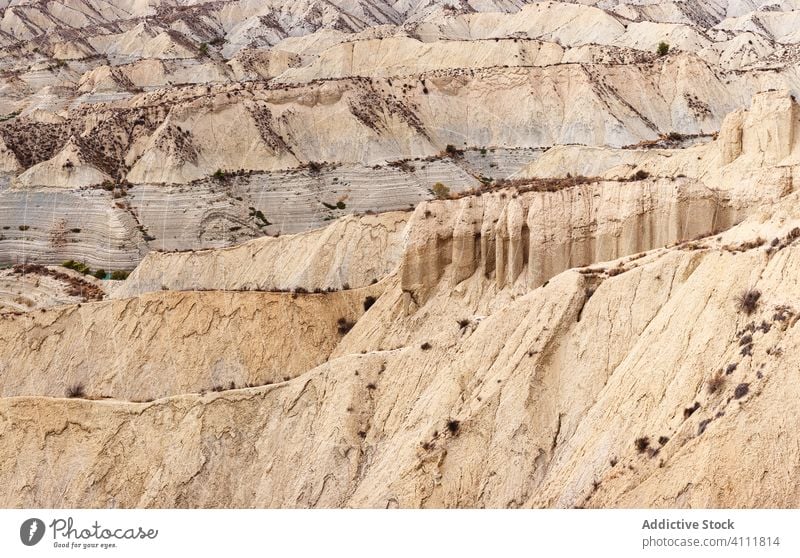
column 171, row 125
column 609, row 341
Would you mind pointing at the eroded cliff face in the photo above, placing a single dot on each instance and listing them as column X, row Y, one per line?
column 201, row 124
column 350, row 253
column 567, row 343
column 647, row 199
column 523, row 240
column 162, row 344
column 535, row 400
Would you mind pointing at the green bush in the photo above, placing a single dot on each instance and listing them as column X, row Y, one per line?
column 119, row 275
column 441, row 191
column 77, row 266
column 100, row 274
column 220, row 175
column 663, row 48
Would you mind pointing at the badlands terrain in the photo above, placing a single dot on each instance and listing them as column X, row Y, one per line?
column 473, row 253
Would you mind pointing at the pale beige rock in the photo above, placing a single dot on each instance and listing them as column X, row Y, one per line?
column 549, row 390
column 505, row 348
column 353, row 251
column 68, row 169
column 166, row 343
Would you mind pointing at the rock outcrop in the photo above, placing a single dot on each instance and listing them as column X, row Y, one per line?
column 596, row 306
column 350, row 253
column 535, row 400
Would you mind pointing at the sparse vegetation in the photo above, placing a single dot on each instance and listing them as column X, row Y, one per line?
column 441, row 191
column 453, row 427
column 76, row 391
column 119, row 275
column 425, row 346
column 747, row 301
column 403, row 165
column 220, row 175
column 368, row 302
column 77, row 266
column 741, row 390
column 77, row 287
column 746, row 339
column 344, row 326
column 9, row 116
column 642, row 444
column 451, row 150
column 715, row 382
column 258, row 215
column 689, row 411
column 663, row 49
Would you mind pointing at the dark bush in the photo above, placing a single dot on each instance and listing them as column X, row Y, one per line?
column 343, row 326
column 642, row 444
column 100, row 274
column 76, row 391
column 453, row 427
column 741, row 391
column 689, row 411
column 220, row 175
column 368, row 302
column 747, row 301
column 425, row 346
column 715, row 382
column 746, row 340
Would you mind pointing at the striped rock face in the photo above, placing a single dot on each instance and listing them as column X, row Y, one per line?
column 364, row 254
